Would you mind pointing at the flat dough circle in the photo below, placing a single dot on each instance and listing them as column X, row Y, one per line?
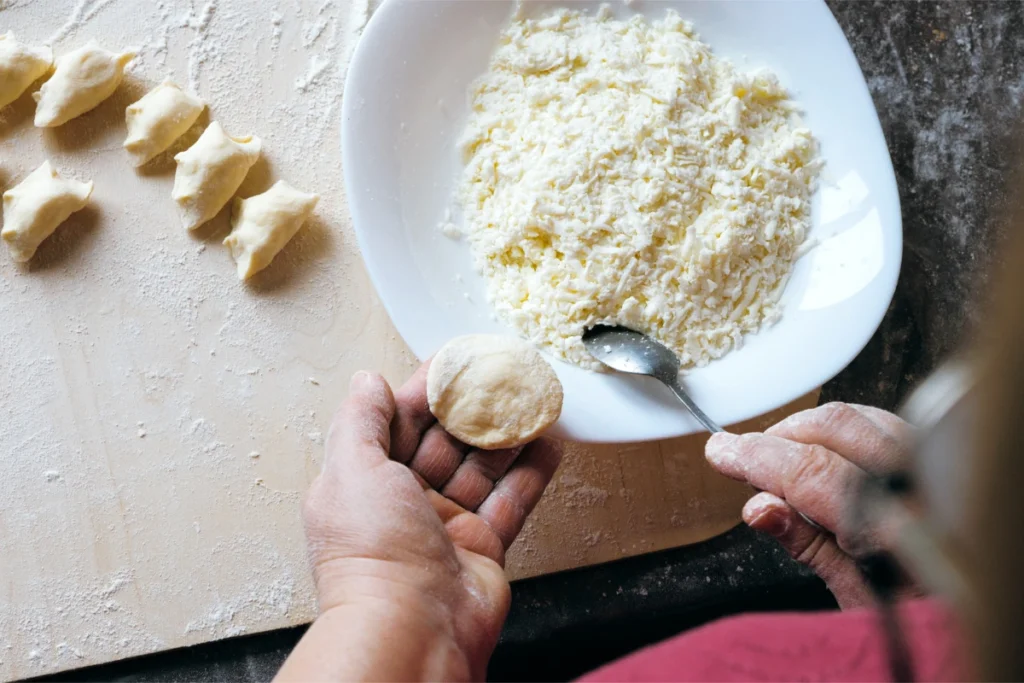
column 491, row 391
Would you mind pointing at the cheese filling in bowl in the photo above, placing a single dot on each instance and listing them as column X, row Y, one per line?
column 618, row 172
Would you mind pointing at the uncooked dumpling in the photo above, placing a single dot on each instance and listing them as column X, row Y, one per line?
column 262, row 225
column 491, row 391
column 158, row 119
column 20, row 66
column 210, row 172
column 82, row 79
column 36, row 206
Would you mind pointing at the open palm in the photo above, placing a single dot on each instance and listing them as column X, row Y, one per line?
column 405, row 514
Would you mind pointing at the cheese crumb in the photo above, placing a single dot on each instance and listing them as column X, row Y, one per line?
column 618, row 172
column 447, row 227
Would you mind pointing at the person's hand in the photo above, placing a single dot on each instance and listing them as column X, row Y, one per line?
column 809, row 464
column 407, row 531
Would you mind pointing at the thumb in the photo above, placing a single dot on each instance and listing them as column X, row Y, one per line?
column 359, row 435
column 809, row 545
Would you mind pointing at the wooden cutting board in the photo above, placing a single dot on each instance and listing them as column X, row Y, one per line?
column 159, row 421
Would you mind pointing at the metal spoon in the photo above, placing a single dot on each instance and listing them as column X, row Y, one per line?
column 628, row 351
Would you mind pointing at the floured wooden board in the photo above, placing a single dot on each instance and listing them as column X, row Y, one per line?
column 617, row 500
column 159, row 421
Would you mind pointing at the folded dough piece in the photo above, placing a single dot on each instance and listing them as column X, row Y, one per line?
column 209, row 172
column 158, row 119
column 262, row 225
column 36, row 206
column 82, row 79
column 20, row 66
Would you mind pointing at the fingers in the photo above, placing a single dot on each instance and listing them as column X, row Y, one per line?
column 811, row 478
column 437, row 456
column 769, row 514
column 854, row 432
column 412, row 416
column 515, row 495
column 360, row 431
column 465, row 529
column 417, row 440
column 474, row 480
column 810, row 546
column 891, row 424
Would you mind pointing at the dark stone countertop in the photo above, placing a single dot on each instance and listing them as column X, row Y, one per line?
column 947, row 79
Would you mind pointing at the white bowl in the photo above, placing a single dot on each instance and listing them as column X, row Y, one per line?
column 406, row 99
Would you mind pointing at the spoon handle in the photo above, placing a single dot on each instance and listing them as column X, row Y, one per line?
column 677, row 389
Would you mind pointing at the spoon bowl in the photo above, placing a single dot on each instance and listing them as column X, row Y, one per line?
column 634, row 353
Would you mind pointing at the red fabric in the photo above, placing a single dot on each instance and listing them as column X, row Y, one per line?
column 822, row 646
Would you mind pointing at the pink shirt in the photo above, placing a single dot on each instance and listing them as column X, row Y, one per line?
column 821, row 646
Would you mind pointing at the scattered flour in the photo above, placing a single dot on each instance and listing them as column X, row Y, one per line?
column 311, row 31
column 202, row 50
column 122, row 355
column 275, row 34
column 95, row 619
column 84, row 11
column 317, row 66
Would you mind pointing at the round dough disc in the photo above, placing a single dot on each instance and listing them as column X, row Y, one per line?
column 491, row 391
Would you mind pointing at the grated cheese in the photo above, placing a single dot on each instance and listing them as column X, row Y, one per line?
column 616, row 171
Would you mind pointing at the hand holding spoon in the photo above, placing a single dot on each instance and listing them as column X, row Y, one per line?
column 626, row 350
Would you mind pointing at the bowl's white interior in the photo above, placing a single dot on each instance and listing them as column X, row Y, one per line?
column 406, row 101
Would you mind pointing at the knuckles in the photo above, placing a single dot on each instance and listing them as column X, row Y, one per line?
column 814, row 467
column 835, row 414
